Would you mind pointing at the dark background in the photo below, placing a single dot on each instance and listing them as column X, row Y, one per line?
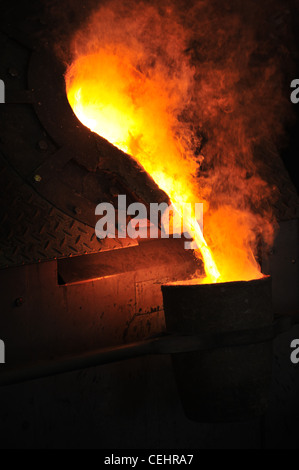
column 136, row 404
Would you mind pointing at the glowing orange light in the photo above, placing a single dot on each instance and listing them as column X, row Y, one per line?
column 134, row 112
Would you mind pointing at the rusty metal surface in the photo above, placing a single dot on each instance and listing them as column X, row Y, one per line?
column 227, row 384
column 41, row 319
column 33, row 230
column 148, row 255
column 218, row 308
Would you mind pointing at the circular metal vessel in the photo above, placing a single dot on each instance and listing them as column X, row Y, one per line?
column 229, row 383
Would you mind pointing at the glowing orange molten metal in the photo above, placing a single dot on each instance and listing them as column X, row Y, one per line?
column 134, row 112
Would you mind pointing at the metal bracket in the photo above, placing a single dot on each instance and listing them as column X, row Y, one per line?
column 161, row 345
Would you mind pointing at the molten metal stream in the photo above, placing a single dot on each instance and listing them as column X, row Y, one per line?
column 136, row 112
column 108, row 101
